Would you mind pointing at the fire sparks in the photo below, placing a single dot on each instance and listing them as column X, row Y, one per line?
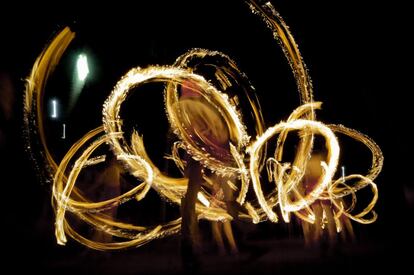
column 244, row 160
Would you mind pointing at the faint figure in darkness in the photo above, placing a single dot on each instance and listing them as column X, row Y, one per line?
column 9, row 139
column 208, row 128
column 6, row 107
column 324, row 229
column 106, row 185
column 223, row 196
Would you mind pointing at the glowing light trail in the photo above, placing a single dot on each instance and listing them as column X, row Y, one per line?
column 244, row 161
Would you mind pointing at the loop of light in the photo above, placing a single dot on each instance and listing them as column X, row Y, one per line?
column 245, row 159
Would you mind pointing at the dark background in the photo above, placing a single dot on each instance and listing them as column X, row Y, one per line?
column 356, row 56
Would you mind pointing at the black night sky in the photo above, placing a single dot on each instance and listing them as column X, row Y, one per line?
column 351, row 50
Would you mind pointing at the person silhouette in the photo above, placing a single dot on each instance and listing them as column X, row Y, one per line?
column 208, row 128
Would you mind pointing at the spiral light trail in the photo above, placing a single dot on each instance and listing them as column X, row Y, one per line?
column 244, row 162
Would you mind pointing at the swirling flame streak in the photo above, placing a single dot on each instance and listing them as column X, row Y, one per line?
column 248, row 156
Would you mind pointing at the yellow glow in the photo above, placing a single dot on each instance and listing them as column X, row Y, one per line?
column 244, row 162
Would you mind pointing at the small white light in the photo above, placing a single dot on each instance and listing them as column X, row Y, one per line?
column 82, row 67
column 64, row 131
column 54, row 108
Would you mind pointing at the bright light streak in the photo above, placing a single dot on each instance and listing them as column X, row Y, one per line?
column 54, row 109
column 244, row 161
column 82, row 67
column 203, row 199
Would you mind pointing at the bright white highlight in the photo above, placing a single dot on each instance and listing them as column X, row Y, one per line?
column 203, row 199
column 54, row 109
column 82, row 67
